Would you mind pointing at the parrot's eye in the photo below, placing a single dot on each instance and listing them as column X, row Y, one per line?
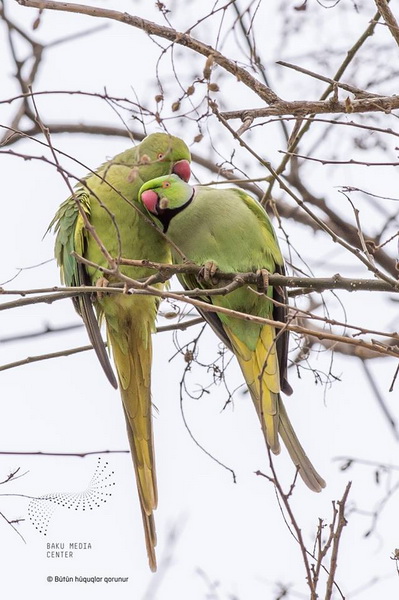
column 160, row 155
column 166, row 184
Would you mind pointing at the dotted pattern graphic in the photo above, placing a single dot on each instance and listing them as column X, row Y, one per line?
column 98, row 491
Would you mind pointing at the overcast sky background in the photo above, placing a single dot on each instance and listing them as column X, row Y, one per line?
column 230, row 540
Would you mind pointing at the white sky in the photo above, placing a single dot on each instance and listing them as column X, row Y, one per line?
column 231, row 539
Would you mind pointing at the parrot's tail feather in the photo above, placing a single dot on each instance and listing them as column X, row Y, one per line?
column 93, row 330
column 270, row 422
column 260, row 369
column 298, row 456
column 150, row 539
column 132, row 354
column 85, row 308
column 148, row 518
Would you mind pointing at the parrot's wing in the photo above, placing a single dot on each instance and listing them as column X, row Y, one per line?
column 190, row 282
column 282, row 339
column 68, row 224
column 280, row 310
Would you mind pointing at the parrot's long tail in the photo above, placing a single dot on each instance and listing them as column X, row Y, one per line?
column 131, row 347
column 147, row 496
column 261, row 371
column 297, row 453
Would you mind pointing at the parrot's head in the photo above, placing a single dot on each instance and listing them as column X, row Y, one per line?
column 163, row 154
column 165, row 197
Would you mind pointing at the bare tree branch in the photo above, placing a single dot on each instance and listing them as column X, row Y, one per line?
column 389, row 18
column 184, row 39
column 67, row 454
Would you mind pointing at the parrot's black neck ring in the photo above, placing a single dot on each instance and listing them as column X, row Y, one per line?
column 165, row 215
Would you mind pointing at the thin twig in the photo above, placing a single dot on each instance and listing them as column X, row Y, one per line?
column 66, row 454
column 344, row 86
column 336, row 541
column 380, row 400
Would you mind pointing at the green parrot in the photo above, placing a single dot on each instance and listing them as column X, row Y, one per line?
column 108, row 197
column 229, row 230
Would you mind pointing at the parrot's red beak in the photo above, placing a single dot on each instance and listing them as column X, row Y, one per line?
column 182, row 169
column 150, row 200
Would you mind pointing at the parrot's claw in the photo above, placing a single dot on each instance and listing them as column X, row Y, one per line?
column 101, row 282
column 262, row 276
column 208, row 271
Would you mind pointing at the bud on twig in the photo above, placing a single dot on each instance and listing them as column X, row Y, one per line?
column 208, row 67
column 176, row 105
